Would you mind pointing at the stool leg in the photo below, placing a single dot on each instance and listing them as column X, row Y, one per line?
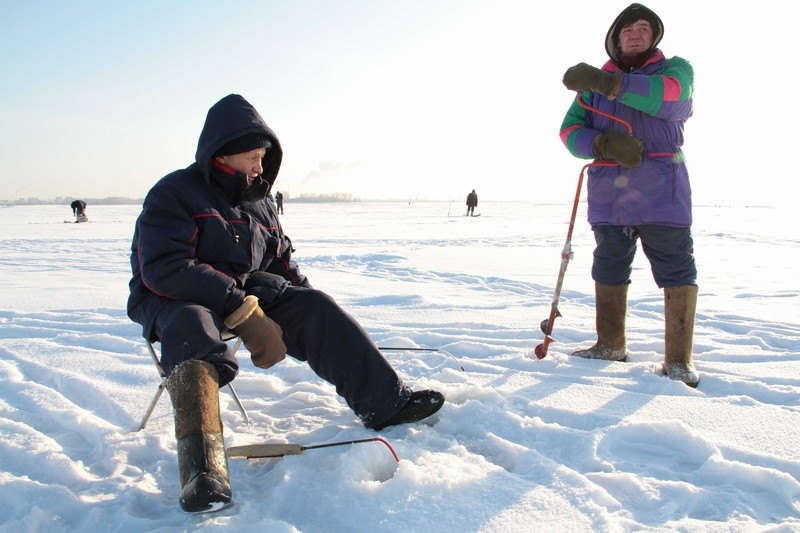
column 163, row 385
column 239, row 403
column 153, row 403
column 160, row 390
column 235, row 349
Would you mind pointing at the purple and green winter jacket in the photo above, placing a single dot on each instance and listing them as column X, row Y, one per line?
column 656, row 100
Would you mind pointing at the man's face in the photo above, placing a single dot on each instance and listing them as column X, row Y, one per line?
column 248, row 163
column 636, row 37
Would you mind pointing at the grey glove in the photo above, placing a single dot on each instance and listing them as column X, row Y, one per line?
column 624, row 149
column 583, row 77
column 260, row 334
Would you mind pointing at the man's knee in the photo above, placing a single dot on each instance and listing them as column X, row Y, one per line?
column 671, row 255
column 613, row 255
column 194, row 332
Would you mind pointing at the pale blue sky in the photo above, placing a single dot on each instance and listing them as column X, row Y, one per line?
column 411, row 99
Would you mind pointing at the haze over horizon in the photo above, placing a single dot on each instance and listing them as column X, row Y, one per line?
column 377, row 100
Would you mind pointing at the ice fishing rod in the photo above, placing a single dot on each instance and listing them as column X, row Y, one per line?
column 441, row 350
column 264, row 451
column 566, row 253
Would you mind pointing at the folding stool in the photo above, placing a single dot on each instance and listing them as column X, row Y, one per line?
column 163, row 384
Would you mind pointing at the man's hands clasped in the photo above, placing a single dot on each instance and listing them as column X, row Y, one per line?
column 624, row 149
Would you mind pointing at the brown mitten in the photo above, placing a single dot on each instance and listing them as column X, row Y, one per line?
column 624, row 149
column 583, row 77
column 260, row 334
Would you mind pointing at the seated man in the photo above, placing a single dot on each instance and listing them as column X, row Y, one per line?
column 209, row 255
column 79, row 211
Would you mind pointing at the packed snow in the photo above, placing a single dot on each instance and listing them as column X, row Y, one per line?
column 522, row 444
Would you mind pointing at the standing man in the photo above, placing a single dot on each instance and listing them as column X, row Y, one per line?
column 642, row 191
column 279, row 201
column 472, row 203
column 209, row 256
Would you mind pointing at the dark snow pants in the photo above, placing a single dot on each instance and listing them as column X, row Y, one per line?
column 315, row 330
column 669, row 250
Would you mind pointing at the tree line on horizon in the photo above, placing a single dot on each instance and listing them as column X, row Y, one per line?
column 118, row 200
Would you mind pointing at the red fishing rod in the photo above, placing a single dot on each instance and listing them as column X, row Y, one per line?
column 566, row 253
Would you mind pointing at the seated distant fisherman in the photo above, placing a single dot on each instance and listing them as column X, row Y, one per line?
column 209, row 256
column 79, row 211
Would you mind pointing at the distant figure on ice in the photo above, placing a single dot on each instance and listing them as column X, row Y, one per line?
column 208, row 257
column 279, row 201
column 641, row 192
column 472, row 203
column 79, row 211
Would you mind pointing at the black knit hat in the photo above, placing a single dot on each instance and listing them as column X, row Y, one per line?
column 243, row 144
column 629, row 15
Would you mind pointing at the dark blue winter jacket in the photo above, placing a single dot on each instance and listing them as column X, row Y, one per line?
column 204, row 237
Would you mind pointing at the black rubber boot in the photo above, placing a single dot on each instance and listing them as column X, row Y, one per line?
column 203, row 468
column 422, row 404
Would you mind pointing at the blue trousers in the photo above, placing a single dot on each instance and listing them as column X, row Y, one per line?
column 669, row 250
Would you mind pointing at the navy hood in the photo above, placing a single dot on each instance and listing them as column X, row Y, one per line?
column 231, row 118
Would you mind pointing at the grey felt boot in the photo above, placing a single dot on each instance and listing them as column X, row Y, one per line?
column 680, row 305
column 202, row 463
column 611, row 306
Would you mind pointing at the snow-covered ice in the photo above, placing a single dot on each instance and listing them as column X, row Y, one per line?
column 521, row 445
